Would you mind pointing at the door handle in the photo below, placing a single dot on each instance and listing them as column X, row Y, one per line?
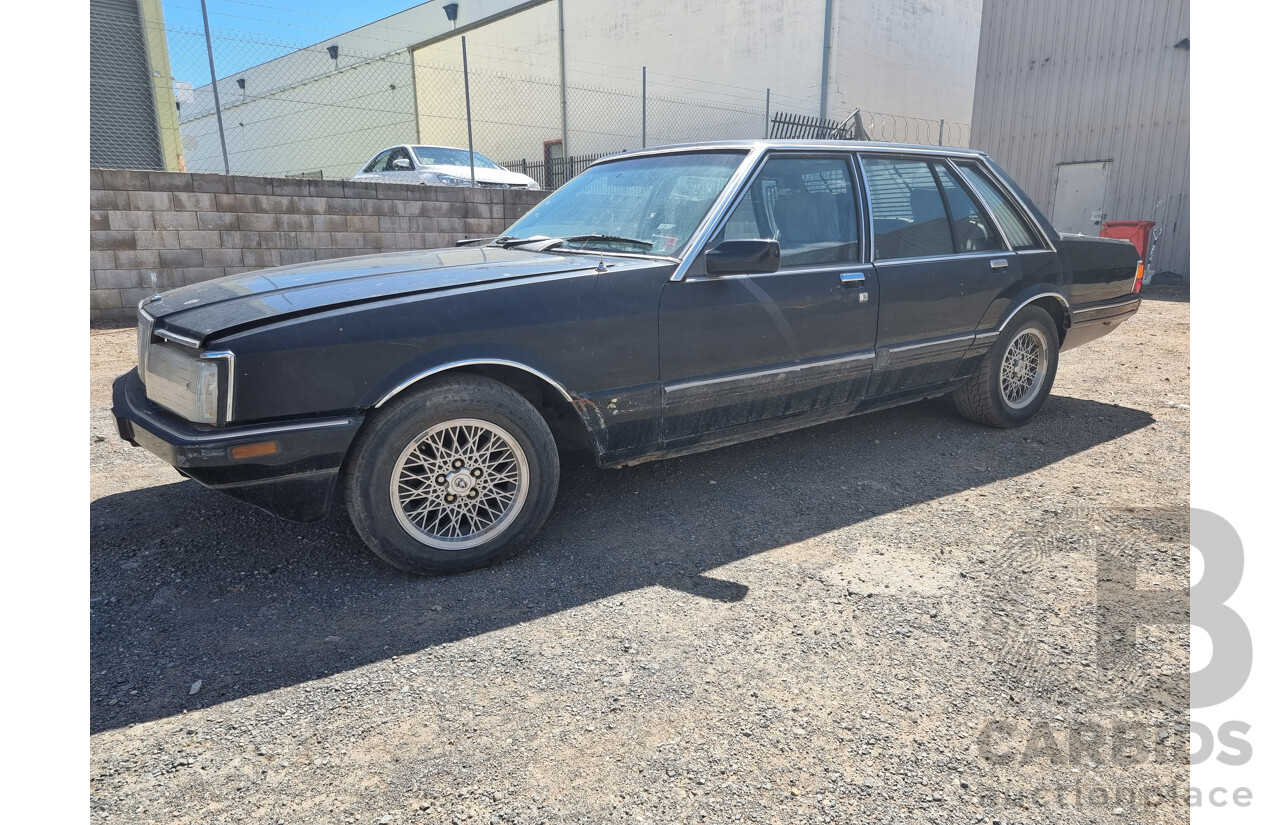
column 852, row 279
column 999, row 263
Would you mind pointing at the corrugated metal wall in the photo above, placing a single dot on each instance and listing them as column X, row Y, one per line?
column 122, row 117
column 1063, row 81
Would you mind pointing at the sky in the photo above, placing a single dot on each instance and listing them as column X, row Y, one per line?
column 248, row 32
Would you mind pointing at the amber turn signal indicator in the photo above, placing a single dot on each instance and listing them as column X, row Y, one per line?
column 1137, row 279
column 260, row 448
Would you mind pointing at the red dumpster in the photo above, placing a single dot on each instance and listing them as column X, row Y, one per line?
column 1137, row 233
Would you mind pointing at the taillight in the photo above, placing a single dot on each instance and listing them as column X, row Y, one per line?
column 1137, row 279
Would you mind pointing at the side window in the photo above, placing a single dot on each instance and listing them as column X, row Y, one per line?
column 1010, row 219
column 909, row 217
column 973, row 232
column 379, row 163
column 807, row 205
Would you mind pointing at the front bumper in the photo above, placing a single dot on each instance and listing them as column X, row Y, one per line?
column 296, row 482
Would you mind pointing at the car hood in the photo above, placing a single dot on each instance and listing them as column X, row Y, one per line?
column 238, row 301
column 483, row 174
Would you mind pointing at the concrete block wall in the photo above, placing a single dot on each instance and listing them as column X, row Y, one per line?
column 189, row 227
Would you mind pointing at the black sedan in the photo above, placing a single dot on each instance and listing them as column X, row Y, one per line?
column 662, row 302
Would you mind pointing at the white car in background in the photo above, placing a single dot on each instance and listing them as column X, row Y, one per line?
column 440, row 166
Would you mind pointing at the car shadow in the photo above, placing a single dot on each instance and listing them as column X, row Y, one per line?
column 189, row 585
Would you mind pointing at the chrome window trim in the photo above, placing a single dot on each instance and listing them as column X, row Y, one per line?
column 871, row 218
column 1011, row 315
column 701, row 382
column 473, row 362
column 801, row 145
column 718, row 211
column 230, row 358
column 989, row 213
column 817, row 270
column 961, row 256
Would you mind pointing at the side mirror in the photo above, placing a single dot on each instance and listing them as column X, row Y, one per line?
column 748, row 257
column 401, row 163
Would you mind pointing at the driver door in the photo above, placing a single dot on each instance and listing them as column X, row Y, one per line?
column 741, row 350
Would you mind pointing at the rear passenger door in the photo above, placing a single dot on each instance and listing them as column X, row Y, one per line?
column 940, row 262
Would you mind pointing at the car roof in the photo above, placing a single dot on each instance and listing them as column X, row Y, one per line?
column 813, row 145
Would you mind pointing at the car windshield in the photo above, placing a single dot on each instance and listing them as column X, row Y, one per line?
column 444, row 156
column 658, row 200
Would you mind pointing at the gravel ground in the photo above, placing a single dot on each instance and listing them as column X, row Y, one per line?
column 890, row 618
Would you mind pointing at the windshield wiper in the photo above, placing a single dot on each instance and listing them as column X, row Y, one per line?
column 608, row 238
column 508, row 241
column 549, row 243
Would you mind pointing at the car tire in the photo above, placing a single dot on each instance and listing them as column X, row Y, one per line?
column 1016, row 376
column 456, row 475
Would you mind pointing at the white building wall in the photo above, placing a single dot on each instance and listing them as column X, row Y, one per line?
column 331, row 124
column 905, row 57
column 709, row 64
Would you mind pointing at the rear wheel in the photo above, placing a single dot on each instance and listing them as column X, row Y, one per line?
column 457, row 475
column 1017, row 374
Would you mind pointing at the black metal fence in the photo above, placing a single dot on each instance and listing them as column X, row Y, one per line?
column 875, row 126
column 552, row 173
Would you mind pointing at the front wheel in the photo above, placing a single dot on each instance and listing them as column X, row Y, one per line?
column 1016, row 375
column 457, row 475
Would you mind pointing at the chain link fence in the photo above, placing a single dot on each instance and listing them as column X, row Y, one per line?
column 280, row 108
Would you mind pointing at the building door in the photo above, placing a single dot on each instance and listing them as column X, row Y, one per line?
column 1078, row 198
column 553, row 164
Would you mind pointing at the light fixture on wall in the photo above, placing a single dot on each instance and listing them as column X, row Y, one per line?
column 240, row 83
column 451, row 12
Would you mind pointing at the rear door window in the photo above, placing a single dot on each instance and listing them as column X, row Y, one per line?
column 909, row 218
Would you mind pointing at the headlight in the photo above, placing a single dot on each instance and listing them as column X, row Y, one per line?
column 179, row 380
column 450, row 180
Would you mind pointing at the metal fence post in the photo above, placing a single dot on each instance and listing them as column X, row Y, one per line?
column 213, row 76
column 644, row 105
column 941, row 125
column 466, row 90
column 564, row 90
column 767, row 125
